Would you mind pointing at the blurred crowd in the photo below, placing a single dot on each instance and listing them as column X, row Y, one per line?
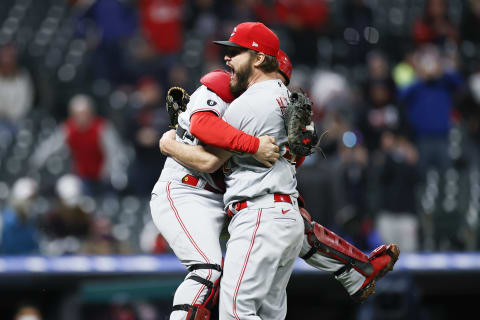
column 396, row 92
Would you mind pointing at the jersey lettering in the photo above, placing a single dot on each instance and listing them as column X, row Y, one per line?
column 282, row 103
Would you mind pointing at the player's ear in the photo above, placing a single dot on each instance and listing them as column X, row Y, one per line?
column 259, row 58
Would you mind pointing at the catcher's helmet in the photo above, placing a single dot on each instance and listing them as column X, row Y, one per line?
column 285, row 65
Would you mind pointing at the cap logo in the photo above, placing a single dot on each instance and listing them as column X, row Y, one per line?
column 233, row 32
column 254, row 44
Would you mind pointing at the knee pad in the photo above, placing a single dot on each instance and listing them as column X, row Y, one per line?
column 202, row 311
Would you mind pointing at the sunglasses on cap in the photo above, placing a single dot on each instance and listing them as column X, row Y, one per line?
column 234, row 51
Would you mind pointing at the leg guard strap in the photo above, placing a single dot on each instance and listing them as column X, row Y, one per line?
column 194, row 267
column 309, row 254
column 181, row 307
column 314, row 250
column 343, row 269
column 209, row 284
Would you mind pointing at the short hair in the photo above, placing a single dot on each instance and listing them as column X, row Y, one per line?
column 269, row 64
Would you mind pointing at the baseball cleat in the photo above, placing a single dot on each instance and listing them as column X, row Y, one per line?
column 382, row 260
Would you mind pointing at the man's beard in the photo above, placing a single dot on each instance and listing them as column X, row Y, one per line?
column 243, row 74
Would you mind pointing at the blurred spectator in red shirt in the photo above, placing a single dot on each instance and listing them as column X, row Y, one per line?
column 435, row 25
column 96, row 151
column 162, row 24
column 16, row 88
column 304, row 19
column 300, row 14
column 162, row 38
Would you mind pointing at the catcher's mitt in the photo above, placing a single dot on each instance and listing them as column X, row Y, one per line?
column 302, row 138
column 177, row 100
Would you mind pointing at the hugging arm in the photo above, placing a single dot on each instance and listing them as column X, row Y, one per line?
column 194, row 157
column 213, row 131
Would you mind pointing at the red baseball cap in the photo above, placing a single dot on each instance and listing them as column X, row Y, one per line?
column 284, row 65
column 255, row 36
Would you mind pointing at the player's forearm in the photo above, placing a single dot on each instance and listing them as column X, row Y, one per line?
column 213, row 131
column 193, row 157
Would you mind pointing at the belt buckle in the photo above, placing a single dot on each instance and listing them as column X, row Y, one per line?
column 235, row 207
column 278, row 197
column 232, row 209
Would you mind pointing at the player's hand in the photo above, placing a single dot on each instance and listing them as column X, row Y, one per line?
column 268, row 151
column 166, row 138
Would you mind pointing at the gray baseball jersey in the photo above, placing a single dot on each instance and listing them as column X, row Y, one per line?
column 201, row 100
column 265, row 236
column 254, row 113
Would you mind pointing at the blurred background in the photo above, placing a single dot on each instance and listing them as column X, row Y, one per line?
column 395, row 86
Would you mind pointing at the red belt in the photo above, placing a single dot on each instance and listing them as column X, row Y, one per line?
column 193, row 181
column 277, row 197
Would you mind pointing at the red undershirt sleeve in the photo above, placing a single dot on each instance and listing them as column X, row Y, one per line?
column 212, row 130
